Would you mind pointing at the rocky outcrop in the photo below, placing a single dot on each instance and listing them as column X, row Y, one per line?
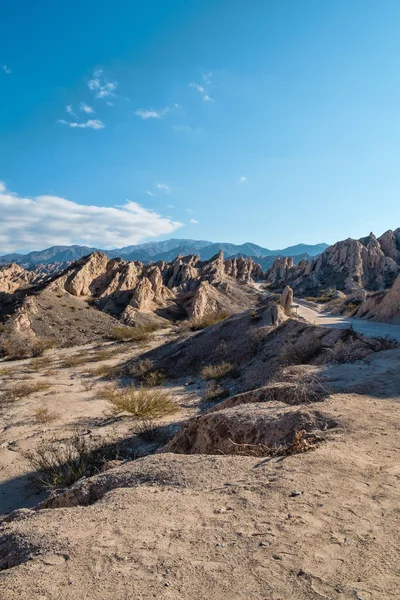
column 280, row 269
column 204, row 301
column 143, row 295
column 85, row 279
column 287, row 299
column 349, row 265
column 13, row 277
column 382, row 306
column 242, row 269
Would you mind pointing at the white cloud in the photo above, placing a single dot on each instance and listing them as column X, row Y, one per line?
column 152, row 114
column 242, row 179
column 86, row 108
column 149, row 193
column 6, row 70
column 101, row 86
column 91, row 124
column 207, row 98
column 164, row 187
column 207, row 77
column 194, row 221
column 197, row 87
column 35, row 223
column 70, row 111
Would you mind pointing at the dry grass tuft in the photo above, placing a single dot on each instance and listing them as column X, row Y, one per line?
column 142, row 403
column 299, row 445
column 60, row 463
column 43, row 415
column 217, row 372
column 74, row 361
column 301, row 352
column 131, row 334
column 302, row 390
column 26, row 389
column 151, row 433
column 208, row 320
column 146, row 372
column 214, row 392
column 18, row 347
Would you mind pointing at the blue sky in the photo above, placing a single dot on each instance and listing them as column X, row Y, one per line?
column 275, row 122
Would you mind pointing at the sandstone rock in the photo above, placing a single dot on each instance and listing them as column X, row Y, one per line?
column 280, row 269
column 204, row 301
column 143, row 295
column 83, row 281
column 13, row 277
column 287, row 299
column 382, row 306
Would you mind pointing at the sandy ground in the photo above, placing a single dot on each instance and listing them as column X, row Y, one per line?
column 74, row 403
column 319, row 525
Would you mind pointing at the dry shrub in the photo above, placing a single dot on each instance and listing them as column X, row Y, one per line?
column 74, row 361
column 301, row 352
column 4, row 372
column 38, row 363
column 299, row 445
column 40, row 345
column 43, row 415
column 141, row 403
column 103, row 355
column 145, row 371
column 208, row 320
column 303, row 390
column 130, row 334
column 353, row 348
column 60, row 463
column 214, row 392
column 217, row 372
column 108, row 372
column 26, row 389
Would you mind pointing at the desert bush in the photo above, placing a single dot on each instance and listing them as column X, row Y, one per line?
column 299, row 445
column 301, row 352
column 38, row 363
column 145, row 371
column 4, row 372
column 43, row 415
column 208, row 320
column 17, row 347
column 214, row 392
column 141, row 403
column 355, row 349
column 60, row 463
column 218, row 371
column 129, row 334
column 26, row 389
column 40, row 345
column 108, row 372
column 74, row 361
column 304, row 389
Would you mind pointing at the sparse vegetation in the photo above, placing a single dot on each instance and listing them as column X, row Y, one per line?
column 38, row 363
column 214, row 392
column 218, row 371
column 208, row 320
column 130, row 334
column 141, row 403
column 304, row 389
column 60, row 463
column 26, row 389
column 17, row 347
column 146, row 372
column 74, row 361
column 299, row 445
column 301, row 352
column 43, row 415
column 255, row 316
column 108, row 371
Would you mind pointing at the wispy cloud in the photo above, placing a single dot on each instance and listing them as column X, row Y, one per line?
column 164, row 187
column 152, row 114
column 207, row 98
column 207, row 78
column 6, row 70
column 70, row 111
column 52, row 220
column 91, row 124
column 242, row 179
column 86, row 108
column 149, row 193
column 194, row 221
column 197, row 87
column 101, row 86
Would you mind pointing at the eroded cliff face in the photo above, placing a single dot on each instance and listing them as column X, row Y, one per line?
column 350, row 265
column 186, row 286
column 382, row 306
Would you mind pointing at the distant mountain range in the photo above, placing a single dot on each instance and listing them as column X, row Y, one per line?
column 166, row 250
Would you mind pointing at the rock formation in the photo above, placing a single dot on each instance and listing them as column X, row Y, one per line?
column 382, row 306
column 287, row 299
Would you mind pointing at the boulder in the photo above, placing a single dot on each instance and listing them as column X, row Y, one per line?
column 287, row 299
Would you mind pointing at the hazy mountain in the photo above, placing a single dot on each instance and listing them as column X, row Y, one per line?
column 166, row 250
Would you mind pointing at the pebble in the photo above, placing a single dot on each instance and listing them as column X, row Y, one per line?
column 295, row 493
